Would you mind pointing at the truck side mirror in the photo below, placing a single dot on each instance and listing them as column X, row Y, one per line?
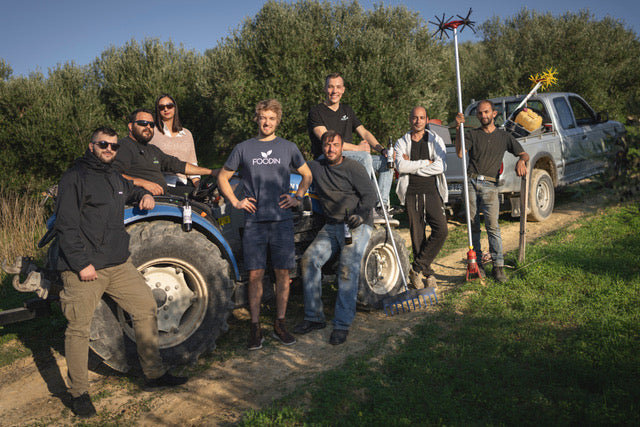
column 602, row 117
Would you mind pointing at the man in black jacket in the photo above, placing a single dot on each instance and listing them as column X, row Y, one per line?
column 143, row 163
column 94, row 259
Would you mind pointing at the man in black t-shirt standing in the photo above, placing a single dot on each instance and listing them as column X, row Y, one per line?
column 332, row 115
column 422, row 188
column 486, row 146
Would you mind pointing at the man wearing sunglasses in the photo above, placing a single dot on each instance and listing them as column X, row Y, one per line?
column 143, row 163
column 94, row 260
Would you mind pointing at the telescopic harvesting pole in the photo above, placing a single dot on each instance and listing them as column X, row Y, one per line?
column 443, row 27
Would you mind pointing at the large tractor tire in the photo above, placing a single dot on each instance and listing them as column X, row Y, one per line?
column 380, row 275
column 191, row 284
column 541, row 196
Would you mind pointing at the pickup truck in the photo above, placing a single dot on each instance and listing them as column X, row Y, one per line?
column 572, row 142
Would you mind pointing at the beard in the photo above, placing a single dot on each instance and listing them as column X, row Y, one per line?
column 486, row 122
column 101, row 156
column 106, row 160
column 140, row 136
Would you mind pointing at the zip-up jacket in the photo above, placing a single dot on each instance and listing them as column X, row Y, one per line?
column 421, row 167
column 90, row 215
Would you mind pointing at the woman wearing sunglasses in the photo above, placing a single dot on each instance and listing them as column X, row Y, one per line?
column 176, row 141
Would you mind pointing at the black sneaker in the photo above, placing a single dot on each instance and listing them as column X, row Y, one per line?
column 167, row 380
column 379, row 213
column 82, row 406
column 280, row 332
column 307, row 326
column 255, row 337
column 498, row 274
column 338, row 336
column 395, row 210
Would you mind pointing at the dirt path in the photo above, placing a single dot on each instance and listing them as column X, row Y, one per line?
column 221, row 393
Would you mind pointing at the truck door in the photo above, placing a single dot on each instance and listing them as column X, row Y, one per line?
column 592, row 142
column 573, row 139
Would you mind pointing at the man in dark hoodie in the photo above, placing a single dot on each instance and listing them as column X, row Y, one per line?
column 94, row 260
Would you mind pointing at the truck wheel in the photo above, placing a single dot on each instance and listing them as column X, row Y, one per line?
column 380, row 273
column 190, row 282
column 541, row 196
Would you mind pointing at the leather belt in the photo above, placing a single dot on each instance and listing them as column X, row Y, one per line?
column 482, row 177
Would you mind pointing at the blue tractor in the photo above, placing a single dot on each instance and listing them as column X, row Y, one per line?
column 196, row 277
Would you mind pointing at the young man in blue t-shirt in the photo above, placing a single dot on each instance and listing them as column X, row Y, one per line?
column 265, row 162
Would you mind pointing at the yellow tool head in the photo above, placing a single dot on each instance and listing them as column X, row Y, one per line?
column 546, row 79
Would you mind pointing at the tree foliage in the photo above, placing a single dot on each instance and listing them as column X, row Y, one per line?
column 387, row 55
column 600, row 60
column 132, row 76
column 5, row 70
column 46, row 123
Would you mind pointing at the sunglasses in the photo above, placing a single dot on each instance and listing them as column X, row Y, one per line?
column 145, row 123
column 163, row 107
column 103, row 145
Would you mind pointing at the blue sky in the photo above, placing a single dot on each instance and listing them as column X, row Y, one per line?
column 38, row 34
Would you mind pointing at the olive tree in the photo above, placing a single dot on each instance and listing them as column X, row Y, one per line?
column 386, row 55
column 5, row 70
column 132, row 76
column 45, row 124
column 599, row 59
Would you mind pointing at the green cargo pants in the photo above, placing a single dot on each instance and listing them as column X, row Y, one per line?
column 79, row 300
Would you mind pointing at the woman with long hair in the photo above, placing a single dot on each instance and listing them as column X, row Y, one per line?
column 176, row 141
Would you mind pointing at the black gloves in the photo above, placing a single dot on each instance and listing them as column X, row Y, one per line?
column 354, row 221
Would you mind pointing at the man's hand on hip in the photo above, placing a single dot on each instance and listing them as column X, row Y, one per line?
column 247, row 204
column 286, row 201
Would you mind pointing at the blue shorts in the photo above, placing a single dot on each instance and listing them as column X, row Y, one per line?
column 277, row 237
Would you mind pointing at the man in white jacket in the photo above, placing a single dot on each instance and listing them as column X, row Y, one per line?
column 422, row 189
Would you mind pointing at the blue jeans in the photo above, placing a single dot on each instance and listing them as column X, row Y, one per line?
column 485, row 195
column 329, row 241
column 377, row 164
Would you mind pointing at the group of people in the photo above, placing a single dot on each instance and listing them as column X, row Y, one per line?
column 158, row 157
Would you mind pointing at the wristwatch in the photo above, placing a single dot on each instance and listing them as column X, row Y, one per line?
column 298, row 198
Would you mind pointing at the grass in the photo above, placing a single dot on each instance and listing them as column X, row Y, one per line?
column 22, row 224
column 560, row 340
column 559, row 344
